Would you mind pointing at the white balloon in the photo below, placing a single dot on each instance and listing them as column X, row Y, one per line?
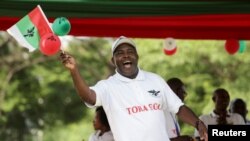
column 169, row 43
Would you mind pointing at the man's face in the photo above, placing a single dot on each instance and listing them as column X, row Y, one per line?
column 181, row 93
column 97, row 122
column 125, row 59
column 221, row 101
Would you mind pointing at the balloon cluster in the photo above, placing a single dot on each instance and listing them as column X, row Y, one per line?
column 169, row 46
column 50, row 43
column 232, row 46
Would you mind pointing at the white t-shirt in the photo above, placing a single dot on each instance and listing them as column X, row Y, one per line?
column 172, row 125
column 134, row 107
column 211, row 119
column 107, row 136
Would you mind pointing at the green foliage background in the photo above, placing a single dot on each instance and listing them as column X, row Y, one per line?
column 38, row 101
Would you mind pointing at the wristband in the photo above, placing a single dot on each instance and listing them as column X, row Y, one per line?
column 197, row 123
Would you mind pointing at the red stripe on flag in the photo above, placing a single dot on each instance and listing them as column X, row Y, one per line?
column 39, row 20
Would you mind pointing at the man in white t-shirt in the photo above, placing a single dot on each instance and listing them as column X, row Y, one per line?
column 220, row 115
column 133, row 99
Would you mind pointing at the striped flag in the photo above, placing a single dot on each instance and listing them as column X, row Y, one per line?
column 30, row 29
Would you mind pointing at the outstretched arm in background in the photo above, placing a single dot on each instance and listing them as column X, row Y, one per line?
column 83, row 90
column 188, row 116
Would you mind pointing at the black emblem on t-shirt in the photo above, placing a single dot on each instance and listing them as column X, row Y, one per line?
column 154, row 92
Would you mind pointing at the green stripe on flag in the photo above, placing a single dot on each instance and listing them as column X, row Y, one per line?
column 29, row 31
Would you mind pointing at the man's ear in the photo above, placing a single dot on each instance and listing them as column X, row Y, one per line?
column 113, row 62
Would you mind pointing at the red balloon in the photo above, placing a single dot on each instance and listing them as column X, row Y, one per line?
column 232, row 46
column 50, row 44
column 170, row 52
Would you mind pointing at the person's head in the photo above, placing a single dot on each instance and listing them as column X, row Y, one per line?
column 238, row 106
column 221, row 99
column 178, row 87
column 125, row 57
column 100, row 121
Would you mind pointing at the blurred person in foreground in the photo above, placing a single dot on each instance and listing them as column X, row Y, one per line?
column 101, row 126
column 133, row 99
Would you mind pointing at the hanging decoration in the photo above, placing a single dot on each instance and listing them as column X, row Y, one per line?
column 169, row 52
column 61, row 26
column 242, row 46
column 232, row 46
column 50, row 44
column 169, row 46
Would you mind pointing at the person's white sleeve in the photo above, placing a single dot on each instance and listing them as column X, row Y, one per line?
column 94, row 136
column 107, row 136
column 100, row 91
column 239, row 119
column 172, row 101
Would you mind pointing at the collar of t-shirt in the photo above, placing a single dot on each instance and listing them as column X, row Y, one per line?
column 140, row 76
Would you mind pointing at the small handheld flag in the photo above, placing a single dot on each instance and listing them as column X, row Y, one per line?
column 29, row 30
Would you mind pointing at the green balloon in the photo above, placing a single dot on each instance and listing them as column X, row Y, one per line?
column 61, row 26
column 242, row 46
